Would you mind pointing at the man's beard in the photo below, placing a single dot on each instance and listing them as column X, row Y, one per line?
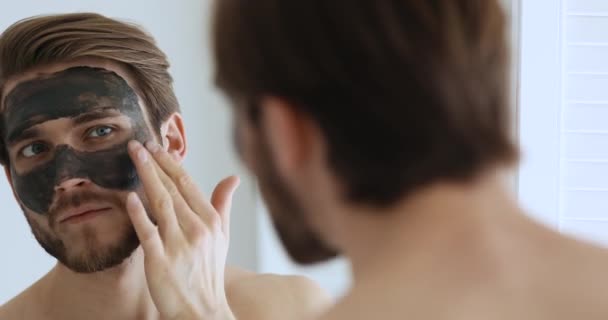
column 301, row 241
column 94, row 257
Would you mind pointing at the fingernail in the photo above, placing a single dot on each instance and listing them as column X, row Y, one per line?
column 142, row 154
column 152, row 146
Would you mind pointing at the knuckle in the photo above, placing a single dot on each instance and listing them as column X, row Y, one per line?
column 215, row 223
column 198, row 229
column 148, row 235
column 185, row 181
column 178, row 254
column 163, row 203
column 200, row 237
column 173, row 191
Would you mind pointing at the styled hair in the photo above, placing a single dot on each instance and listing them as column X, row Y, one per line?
column 406, row 92
column 45, row 40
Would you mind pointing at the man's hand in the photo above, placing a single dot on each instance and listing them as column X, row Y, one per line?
column 185, row 255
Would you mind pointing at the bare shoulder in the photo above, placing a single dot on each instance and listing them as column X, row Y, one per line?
column 584, row 263
column 268, row 296
column 17, row 308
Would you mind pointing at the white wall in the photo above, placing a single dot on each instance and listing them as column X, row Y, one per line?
column 181, row 28
column 540, row 99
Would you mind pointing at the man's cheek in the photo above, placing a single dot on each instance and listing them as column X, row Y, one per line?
column 32, row 188
column 110, row 169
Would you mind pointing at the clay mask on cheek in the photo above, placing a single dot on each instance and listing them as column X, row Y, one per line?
column 69, row 94
column 110, row 169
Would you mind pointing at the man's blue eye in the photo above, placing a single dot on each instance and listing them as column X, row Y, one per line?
column 33, row 149
column 100, row 132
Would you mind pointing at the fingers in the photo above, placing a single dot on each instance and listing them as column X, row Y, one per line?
column 187, row 219
column 161, row 202
column 221, row 199
column 146, row 231
column 175, row 198
column 184, row 182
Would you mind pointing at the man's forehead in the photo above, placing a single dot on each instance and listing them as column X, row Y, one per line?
column 78, row 83
column 48, row 70
column 68, row 93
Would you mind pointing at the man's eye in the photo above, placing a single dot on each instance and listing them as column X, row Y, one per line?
column 33, row 149
column 100, row 132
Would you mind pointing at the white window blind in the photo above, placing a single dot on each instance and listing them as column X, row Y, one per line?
column 564, row 114
column 584, row 154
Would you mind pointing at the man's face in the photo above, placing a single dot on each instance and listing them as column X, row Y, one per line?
column 301, row 241
column 67, row 135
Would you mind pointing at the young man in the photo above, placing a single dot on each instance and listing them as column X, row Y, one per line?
column 75, row 89
column 379, row 129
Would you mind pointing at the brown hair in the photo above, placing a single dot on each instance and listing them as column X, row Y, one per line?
column 406, row 92
column 45, row 40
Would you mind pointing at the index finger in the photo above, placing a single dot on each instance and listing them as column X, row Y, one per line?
column 160, row 200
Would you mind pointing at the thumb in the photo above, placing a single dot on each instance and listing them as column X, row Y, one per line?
column 221, row 199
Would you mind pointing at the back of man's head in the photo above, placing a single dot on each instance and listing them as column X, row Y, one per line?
column 45, row 40
column 406, row 92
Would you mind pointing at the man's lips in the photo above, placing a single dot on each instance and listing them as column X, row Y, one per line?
column 81, row 212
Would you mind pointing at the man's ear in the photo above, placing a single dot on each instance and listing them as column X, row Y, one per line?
column 290, row 134
column 173, row 137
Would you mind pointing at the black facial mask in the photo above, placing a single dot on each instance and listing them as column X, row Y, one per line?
column 110, row 169
column 69, row 94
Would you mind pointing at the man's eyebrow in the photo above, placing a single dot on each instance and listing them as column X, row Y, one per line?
column 24, row 132
column 100, row 113
column 96, row 114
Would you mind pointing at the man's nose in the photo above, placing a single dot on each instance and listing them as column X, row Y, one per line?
column 71, row 184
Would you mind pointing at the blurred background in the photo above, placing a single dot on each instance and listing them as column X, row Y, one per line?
column 560, row 108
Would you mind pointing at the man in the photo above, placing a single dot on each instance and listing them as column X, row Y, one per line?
column 76, row 89
column 379, row 129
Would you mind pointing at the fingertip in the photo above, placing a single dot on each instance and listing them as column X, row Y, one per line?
column 133, row 202
column 232, row 180
column 134, row 145
column 237, row 183
column 228, row 185
column 137, row 151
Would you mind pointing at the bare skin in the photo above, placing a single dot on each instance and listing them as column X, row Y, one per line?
column 123, row 292
column 468, row 252
column 447, row 251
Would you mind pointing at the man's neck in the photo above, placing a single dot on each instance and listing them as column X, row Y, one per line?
column 441, row 226
column 117, row 293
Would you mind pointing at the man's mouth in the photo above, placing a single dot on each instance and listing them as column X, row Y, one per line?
column 82, row 213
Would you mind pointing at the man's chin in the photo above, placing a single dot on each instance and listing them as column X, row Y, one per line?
column 100, row 259
column 91, row 254
column 303, row 245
